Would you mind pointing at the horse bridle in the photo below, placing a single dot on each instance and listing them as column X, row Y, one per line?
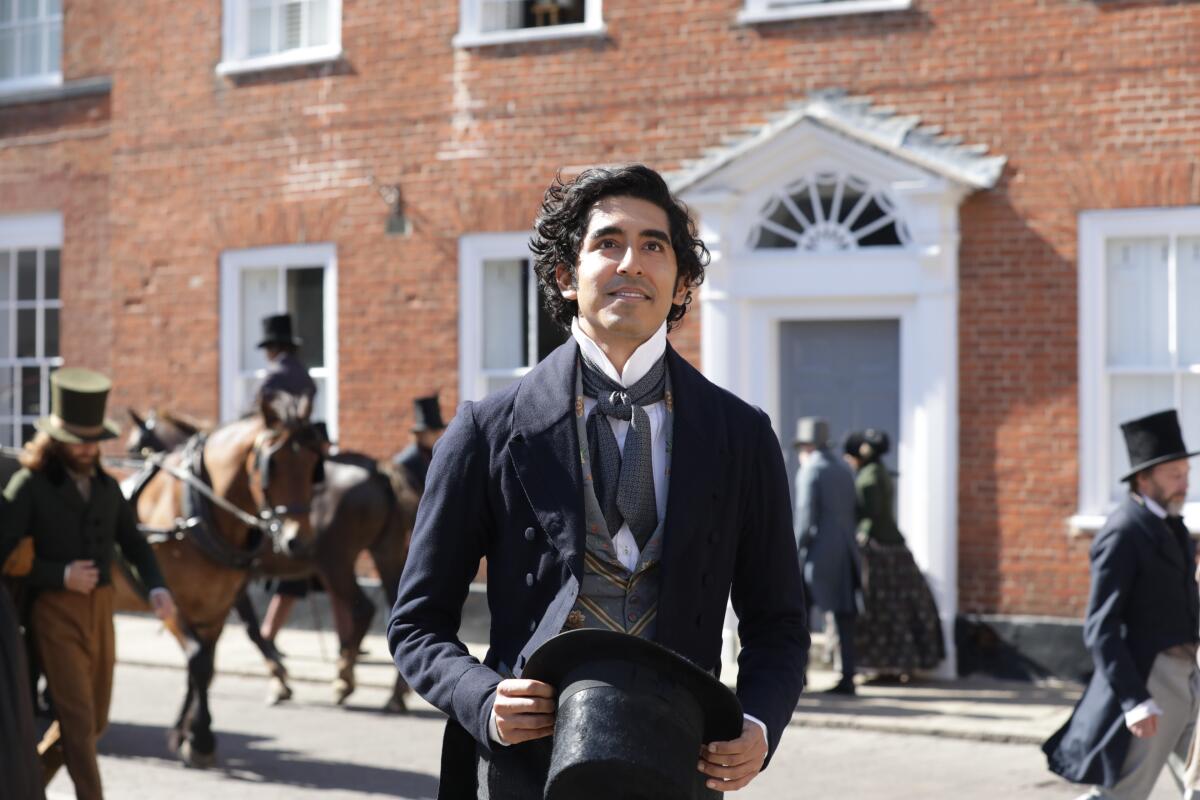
column 266, row 445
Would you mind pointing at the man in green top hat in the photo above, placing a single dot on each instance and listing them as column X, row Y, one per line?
column 75, row 513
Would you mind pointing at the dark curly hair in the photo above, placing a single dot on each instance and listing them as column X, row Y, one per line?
column 563, row 219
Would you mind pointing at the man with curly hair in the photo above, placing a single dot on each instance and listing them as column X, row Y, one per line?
column 613, row 487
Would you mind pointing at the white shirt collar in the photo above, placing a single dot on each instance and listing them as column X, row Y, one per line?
column 1154, row 507
column 645, row 357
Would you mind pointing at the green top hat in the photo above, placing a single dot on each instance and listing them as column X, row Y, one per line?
column 77, row 400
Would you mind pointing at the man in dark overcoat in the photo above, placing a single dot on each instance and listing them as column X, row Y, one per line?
column 76, row 515
column 825, row 522
column 613, row 486
column 427, row 428
column 285, row 372
column 1142, row 627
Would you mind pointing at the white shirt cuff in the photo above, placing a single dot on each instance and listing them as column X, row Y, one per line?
column 66, row 572
column 493, row 730
column 155, row 592
column 1144, row 711
column 761, row 724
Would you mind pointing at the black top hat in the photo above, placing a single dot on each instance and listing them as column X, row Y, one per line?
column 427, row 414
column 631, row 714
column 277, row 330
column 77, row 400
column 1153, row 440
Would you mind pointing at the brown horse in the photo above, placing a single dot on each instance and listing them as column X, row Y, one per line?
column 248, row 496
column 360, row 504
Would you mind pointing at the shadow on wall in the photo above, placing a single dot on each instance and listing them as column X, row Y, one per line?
column 1025, row 650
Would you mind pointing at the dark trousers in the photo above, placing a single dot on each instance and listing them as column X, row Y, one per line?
column 846, row 624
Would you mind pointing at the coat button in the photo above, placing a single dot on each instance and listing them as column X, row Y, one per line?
column 529, row 579
column 633, row 601
column 631, row 617
column 529, row 534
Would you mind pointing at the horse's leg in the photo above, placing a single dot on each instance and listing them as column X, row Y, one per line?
column 352, row 612
column 271, row 656
column 199, row 748
column 175, row 735
column 390, row 554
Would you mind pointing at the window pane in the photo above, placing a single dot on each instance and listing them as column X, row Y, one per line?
column 50, row 258
column 53, row 7
column 6, row 433
column 1134, row 396
column 6, row 350
column 8, row 54
column 495, row 383
column 7, row 393
column 318, row 23
column 6, row 11
column 260, row 298
column 318, row 409
column 260, row 29
column 27, row 9
column 51, row 332
column 1189, row 421
column 1137, row 302
column 30, row 51
column 27, row 333
column 502, row 15
column 27, row 432
column 505, row 316
column 6, row 258
column 31, row 391
column 27, row 275
column 1188, row 260
column 54, row 47
column 306, row 304
column 292, row 15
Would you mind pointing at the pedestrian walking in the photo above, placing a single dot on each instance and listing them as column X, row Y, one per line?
column 825, row 523
column 77, row 517
column 899, row 631
column 1142, row 627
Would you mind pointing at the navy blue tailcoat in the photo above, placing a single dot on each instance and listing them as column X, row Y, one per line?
column 506, row 483
column 1143, row 600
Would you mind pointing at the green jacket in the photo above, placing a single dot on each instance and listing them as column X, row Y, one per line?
column 876, row 522
column 47, row 506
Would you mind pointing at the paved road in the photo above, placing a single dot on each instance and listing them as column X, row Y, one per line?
column 311, row 749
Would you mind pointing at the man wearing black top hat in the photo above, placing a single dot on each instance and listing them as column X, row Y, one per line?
column 76, row 515
column 1142, row 627
column 285, row 372
column 427, row 429
column 612, row 487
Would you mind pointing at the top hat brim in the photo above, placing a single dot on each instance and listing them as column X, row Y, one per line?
column 295, row 341
column 562, row 655
column 56, row 430
column 1154, row 462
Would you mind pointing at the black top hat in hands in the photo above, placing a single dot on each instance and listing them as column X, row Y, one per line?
column 277, row 330
column 427, row 414
column 631, row 717
column 1153, row 440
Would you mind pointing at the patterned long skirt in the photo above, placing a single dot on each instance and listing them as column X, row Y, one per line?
column 899, row 631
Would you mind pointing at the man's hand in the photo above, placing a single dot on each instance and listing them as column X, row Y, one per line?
column 81, row 576
column 524, row 710
column 1145, row 728
column 163, row 604
column 731, row 765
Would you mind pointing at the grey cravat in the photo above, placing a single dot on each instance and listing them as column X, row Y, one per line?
column 624, row 483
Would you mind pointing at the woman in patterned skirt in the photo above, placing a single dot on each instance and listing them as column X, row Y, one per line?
column 899, row 631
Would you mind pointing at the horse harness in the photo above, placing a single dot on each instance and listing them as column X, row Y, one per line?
column 197, row 523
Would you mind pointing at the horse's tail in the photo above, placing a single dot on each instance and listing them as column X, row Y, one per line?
column 400, row 521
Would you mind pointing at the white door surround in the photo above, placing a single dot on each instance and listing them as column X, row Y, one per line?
column 749, row 293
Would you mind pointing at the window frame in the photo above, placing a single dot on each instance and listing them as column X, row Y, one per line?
column 235, row 42
column 42, row 80
column 1095, row 414
column 470, row 33
column 38, row 232
column 233, row 263
column 763, row 11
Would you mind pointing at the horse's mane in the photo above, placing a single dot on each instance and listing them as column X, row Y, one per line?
column 186, row 423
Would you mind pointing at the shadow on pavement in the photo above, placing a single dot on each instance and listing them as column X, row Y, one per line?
column 252, row 758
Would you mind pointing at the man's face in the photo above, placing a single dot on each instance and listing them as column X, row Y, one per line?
column 428, row 438
column 1167, row 485
column 626, row 278
column 81, row 457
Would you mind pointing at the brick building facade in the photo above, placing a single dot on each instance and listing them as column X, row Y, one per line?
column 375, row 167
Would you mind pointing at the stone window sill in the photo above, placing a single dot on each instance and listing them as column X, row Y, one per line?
column 810, row 10
column 84, row 87
column 290, row 58
column 574, row 30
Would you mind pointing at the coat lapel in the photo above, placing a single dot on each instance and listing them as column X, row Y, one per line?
column 691, row 488
column 1159, row 533
column 545, row 452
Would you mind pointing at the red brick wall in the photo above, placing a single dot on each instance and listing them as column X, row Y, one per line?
column 1094, row 102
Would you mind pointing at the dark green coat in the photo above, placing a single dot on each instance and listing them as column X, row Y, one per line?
column 47, row 505
column 876, row 522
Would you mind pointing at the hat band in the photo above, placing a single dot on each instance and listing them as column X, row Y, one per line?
column 82, row 431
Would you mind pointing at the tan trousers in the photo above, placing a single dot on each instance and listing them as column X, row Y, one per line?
column 73, row 634
column 1174, row 683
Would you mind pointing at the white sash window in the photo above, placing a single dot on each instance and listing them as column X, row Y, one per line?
column 486, row 22
column 264, row 34
column 30, row 44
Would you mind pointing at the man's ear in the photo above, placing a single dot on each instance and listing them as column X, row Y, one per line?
column 681, row 290
column 566, row 282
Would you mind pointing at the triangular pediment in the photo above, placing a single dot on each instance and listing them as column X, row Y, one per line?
column 849, row 124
